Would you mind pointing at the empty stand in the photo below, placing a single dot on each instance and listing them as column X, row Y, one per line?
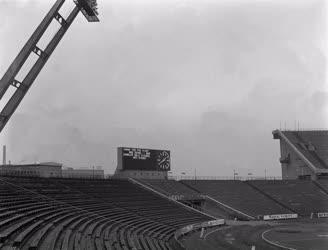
column 319, row 139
column 174, row 189
column 238, row 195
column 323, row 184
column 301, row 196
column 39, row 213
column 312, row 144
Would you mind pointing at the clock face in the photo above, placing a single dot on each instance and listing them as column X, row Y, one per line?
column 163, row 160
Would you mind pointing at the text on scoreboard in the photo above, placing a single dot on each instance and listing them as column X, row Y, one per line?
column 145, row 159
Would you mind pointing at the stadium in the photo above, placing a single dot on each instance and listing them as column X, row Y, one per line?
column 141, row 206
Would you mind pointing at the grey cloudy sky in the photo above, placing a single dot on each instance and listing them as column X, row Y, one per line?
column 208, row 80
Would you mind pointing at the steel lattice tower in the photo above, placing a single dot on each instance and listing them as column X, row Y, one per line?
column 89, row 10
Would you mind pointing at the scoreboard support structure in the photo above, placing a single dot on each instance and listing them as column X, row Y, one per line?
column 89, row 10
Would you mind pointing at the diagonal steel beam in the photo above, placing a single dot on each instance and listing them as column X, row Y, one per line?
column 20, row 59
column 17, row 97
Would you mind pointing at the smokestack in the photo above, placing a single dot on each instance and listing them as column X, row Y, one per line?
column 4, row 155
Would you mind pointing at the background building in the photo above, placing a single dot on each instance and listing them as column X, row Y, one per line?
column 83, row 173
column 45, row 169
column 48, row 170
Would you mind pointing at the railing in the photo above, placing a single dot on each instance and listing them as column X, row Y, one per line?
column 135, row 181
column 172, row 177
column 197, row 226
column 304, row 129
column 240, row 178
column 5, row 173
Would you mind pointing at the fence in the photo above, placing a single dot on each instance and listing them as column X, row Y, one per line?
column 241, row 178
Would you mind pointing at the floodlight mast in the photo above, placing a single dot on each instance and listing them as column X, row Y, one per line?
column 89, row 10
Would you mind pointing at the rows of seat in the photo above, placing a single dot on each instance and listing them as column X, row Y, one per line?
column 39, row 213
column 323, row 183
column 238, row 195
column 66, row 223
column 302, row 196
column 319, row 139
column 300, row 139
column 139, row 201
column 173, row 188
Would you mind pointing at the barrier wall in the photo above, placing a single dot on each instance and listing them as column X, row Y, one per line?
column 280, row 216
column 323, row 215
column 193, row 227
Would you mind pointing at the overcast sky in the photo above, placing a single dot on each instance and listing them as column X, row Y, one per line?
column 208, row 80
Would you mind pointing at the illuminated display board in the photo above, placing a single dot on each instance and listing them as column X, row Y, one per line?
column 144, row 159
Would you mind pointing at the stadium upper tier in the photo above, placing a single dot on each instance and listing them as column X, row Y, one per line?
column 303, row 197
column 173, row 189
column 312, row 144
column 238, row 195
column 39, row 213
column 316, row 142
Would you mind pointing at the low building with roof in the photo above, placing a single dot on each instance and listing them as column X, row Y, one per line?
column 83, row 173
column 43, row 169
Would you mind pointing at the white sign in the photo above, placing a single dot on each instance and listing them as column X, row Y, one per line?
column 212, row 223
column 279, row 216
column 137, row 153
column 322, row 215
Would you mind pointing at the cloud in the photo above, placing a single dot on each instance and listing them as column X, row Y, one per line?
column 208, row 80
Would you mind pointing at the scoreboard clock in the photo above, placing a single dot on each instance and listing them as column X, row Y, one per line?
column 143, row 159
column 163, row 160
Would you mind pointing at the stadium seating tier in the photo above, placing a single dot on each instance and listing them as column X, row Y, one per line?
column 238, row 195
column 312, row 144
column 173, row 188
column 302, row 196
column 87, row 214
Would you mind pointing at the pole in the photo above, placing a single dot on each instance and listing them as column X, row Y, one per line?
column 21, row 87
column 20, row 59
column 4, row 161
column 20, row 92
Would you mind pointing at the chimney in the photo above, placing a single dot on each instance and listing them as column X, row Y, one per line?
column 4, row 155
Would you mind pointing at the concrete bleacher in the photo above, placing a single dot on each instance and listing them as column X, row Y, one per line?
column 238, row 195
column 323, row 183
column 302, row 196
column 312, row 144
column 319, row 139
column 39, row 213
column 174, row 189
column 125, row 195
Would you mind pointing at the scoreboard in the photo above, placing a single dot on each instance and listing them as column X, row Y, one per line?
column 143, row 159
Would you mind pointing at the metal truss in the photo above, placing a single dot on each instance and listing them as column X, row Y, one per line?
column 22, row 87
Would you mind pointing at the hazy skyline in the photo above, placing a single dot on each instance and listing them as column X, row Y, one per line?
column 208, row 80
